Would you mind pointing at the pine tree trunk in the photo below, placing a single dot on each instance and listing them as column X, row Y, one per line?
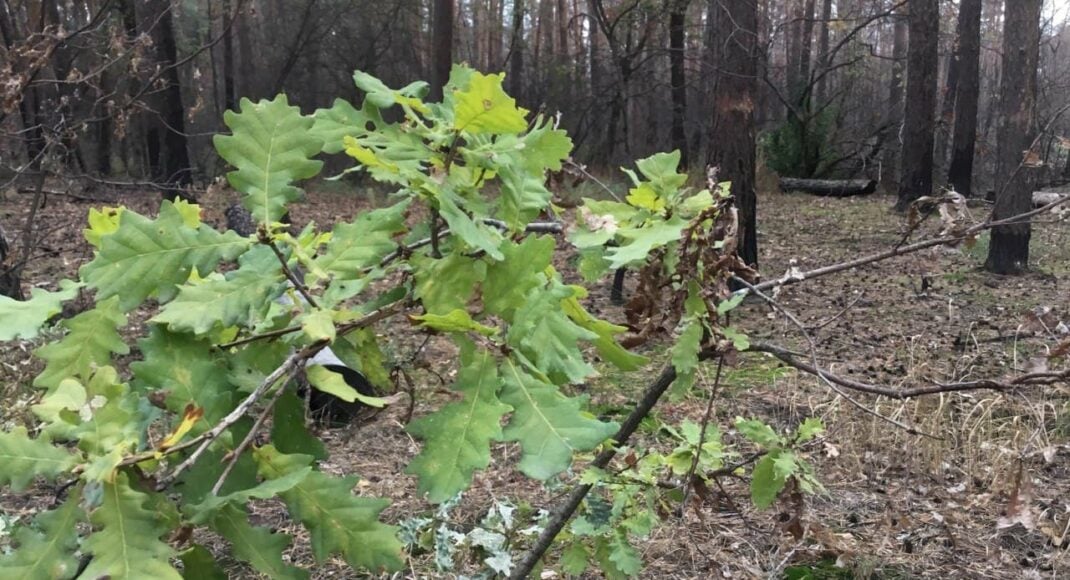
column 1008, row 250
column 890, row 161
column 919, row 113
column 166, row 129
column 733, row 142
column 822, row 51
column 679, row 83
column 516, row 52
column 441, row 47
column 964, row 138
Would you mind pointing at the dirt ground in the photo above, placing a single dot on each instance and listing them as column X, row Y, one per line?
column 897, row 505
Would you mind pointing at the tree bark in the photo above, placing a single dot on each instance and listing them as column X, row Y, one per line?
column 823, row 51
column 920, row 110
column 441, row 47
column 733, row 142
column 890, row 160
column 964, row 138
column 166, row 129
column 806, row 48
column 829, row 187
column 679, row 83
column 516, row 52
column 1008, row 250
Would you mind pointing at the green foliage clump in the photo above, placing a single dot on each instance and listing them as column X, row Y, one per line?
column 175, row 445
column 801, row 147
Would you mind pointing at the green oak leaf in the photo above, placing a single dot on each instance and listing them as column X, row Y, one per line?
column 454, row 321
column 544, row 148
column 447, row 284
column 766, row 483
column 338, row 521
column 289, row 432
column 639, row 242
column 548, row 337
column 685, row 355
column 22, row 459
column 126, row 543
column 521, row 269
column 605, row 343
column 810, row 428
column 523, row 196
column 758, row 432
column 25, row 318
column 188, row 370
column 364, row 242
column 457, row 437
column 548, row 425
column 90, row 342
column 334, row 124
column 146, row 256
column 383, row 97
column 660, row 169
column 199, row 564
column 258, row 546
column 271, row 147
column 239, row 298
column 204, row 511
column 462, row 226
column 484, row 107
column 46, row 550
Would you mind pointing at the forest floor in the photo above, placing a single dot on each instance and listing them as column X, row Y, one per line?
column 896, row 505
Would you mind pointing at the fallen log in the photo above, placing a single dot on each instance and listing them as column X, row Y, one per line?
column 829, row 187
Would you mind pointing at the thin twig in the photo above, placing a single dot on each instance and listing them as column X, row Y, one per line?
column 289, row 273
column 206, row 439
column 701, row 437
column 813, row 356
column 236, row 454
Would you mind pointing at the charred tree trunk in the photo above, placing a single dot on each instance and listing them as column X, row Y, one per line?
column 920, row 110
column 10, row 284
column 230, row 94
column 516, row 51
column 806, row 49
column 890, row 160
column 678, row 79
column 732, row 149
column 441, row 47
column 947, row 107
column 964, row 138
column 166, row 129
column 823, row 51
column 1008, row 250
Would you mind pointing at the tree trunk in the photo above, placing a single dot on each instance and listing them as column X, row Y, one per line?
column 516, row 52
column 920, row 110
column 230, row 95
column 1008, row 250
column 10, row 284
column 823, row 52
column 679, row 83
column 166, row 129
column 964, row 138
column 890, row 161
column 947, row 106
column 732, row 146
column 441, row 46
column 806, row 48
